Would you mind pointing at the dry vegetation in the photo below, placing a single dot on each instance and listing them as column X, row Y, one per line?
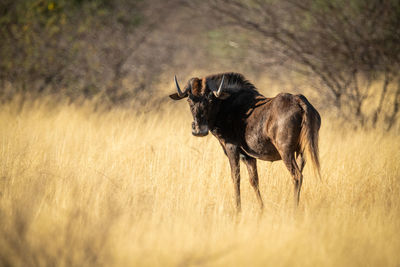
column 84, row 186
column 117, row 188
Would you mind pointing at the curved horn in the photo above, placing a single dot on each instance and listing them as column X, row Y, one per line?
column 178, row 88
column 219, row 91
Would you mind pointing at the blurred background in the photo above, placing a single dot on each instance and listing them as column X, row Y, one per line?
column 343, row 55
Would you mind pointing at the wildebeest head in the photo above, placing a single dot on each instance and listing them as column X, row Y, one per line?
column 203, row 96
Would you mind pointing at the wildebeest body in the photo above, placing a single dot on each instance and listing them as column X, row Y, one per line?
column 251, row 126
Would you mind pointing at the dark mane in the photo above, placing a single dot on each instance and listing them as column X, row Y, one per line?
column 233, row 82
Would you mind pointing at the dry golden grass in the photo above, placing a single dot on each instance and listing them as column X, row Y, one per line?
column 118, row 188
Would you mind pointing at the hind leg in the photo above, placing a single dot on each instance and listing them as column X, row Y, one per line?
column 251, row 164
column 295, row 171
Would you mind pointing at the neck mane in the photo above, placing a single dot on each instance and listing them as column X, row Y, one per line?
column 233, row 82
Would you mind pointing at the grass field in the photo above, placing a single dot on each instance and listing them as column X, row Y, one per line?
column 119, row 188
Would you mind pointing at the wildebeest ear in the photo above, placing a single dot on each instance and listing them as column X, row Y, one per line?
column 177, row 97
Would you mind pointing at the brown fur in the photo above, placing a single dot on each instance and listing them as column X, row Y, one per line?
column 250, row 126
column 196, row 87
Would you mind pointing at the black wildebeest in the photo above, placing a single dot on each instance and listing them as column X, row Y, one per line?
column 250, row 126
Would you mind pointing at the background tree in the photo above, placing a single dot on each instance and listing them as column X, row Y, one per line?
column 347, row 52
column 349, row 46
column 77, row 48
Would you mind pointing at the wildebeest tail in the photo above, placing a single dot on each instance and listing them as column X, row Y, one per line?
column 309, row 133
